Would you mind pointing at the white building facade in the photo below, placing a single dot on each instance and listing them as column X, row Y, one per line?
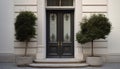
column 57, row 25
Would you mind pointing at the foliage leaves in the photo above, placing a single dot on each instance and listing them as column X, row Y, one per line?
column 25, row 26
column 95, row 27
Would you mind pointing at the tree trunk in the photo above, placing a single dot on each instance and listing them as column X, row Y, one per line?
column 26, row 48
column 92, row 52
column 83, row 54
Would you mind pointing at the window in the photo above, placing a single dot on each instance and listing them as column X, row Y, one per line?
column 59, row 2
column 67, row 3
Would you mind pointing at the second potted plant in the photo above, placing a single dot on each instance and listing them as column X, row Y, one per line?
column 25, row 30
column 95, row 27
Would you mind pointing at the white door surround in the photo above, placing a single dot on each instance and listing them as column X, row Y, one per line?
column 41, row 50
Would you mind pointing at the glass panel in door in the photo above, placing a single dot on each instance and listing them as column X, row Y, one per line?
column 53, row 27
column 67, row 25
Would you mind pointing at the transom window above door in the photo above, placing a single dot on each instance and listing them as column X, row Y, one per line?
column 60, row 2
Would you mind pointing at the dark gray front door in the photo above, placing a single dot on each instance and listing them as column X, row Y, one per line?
column 60, row 34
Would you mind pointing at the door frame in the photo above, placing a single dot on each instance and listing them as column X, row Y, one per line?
column 72, row 26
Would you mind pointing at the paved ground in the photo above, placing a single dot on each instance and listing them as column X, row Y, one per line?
column 106, row 66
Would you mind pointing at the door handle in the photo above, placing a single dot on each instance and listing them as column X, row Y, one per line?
column 59, row 44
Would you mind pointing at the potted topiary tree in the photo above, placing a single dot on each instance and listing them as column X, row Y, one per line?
column 25, row 30
column 95, row 27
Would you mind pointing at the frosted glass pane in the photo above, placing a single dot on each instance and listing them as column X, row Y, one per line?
column 67, row 20
column 53, row 28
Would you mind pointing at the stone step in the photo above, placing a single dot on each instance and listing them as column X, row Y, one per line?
column 57, row 60
column 58, row 65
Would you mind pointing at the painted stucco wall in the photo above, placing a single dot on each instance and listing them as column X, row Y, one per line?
column 6, row 26
column 114, row 16
column 114, row 37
